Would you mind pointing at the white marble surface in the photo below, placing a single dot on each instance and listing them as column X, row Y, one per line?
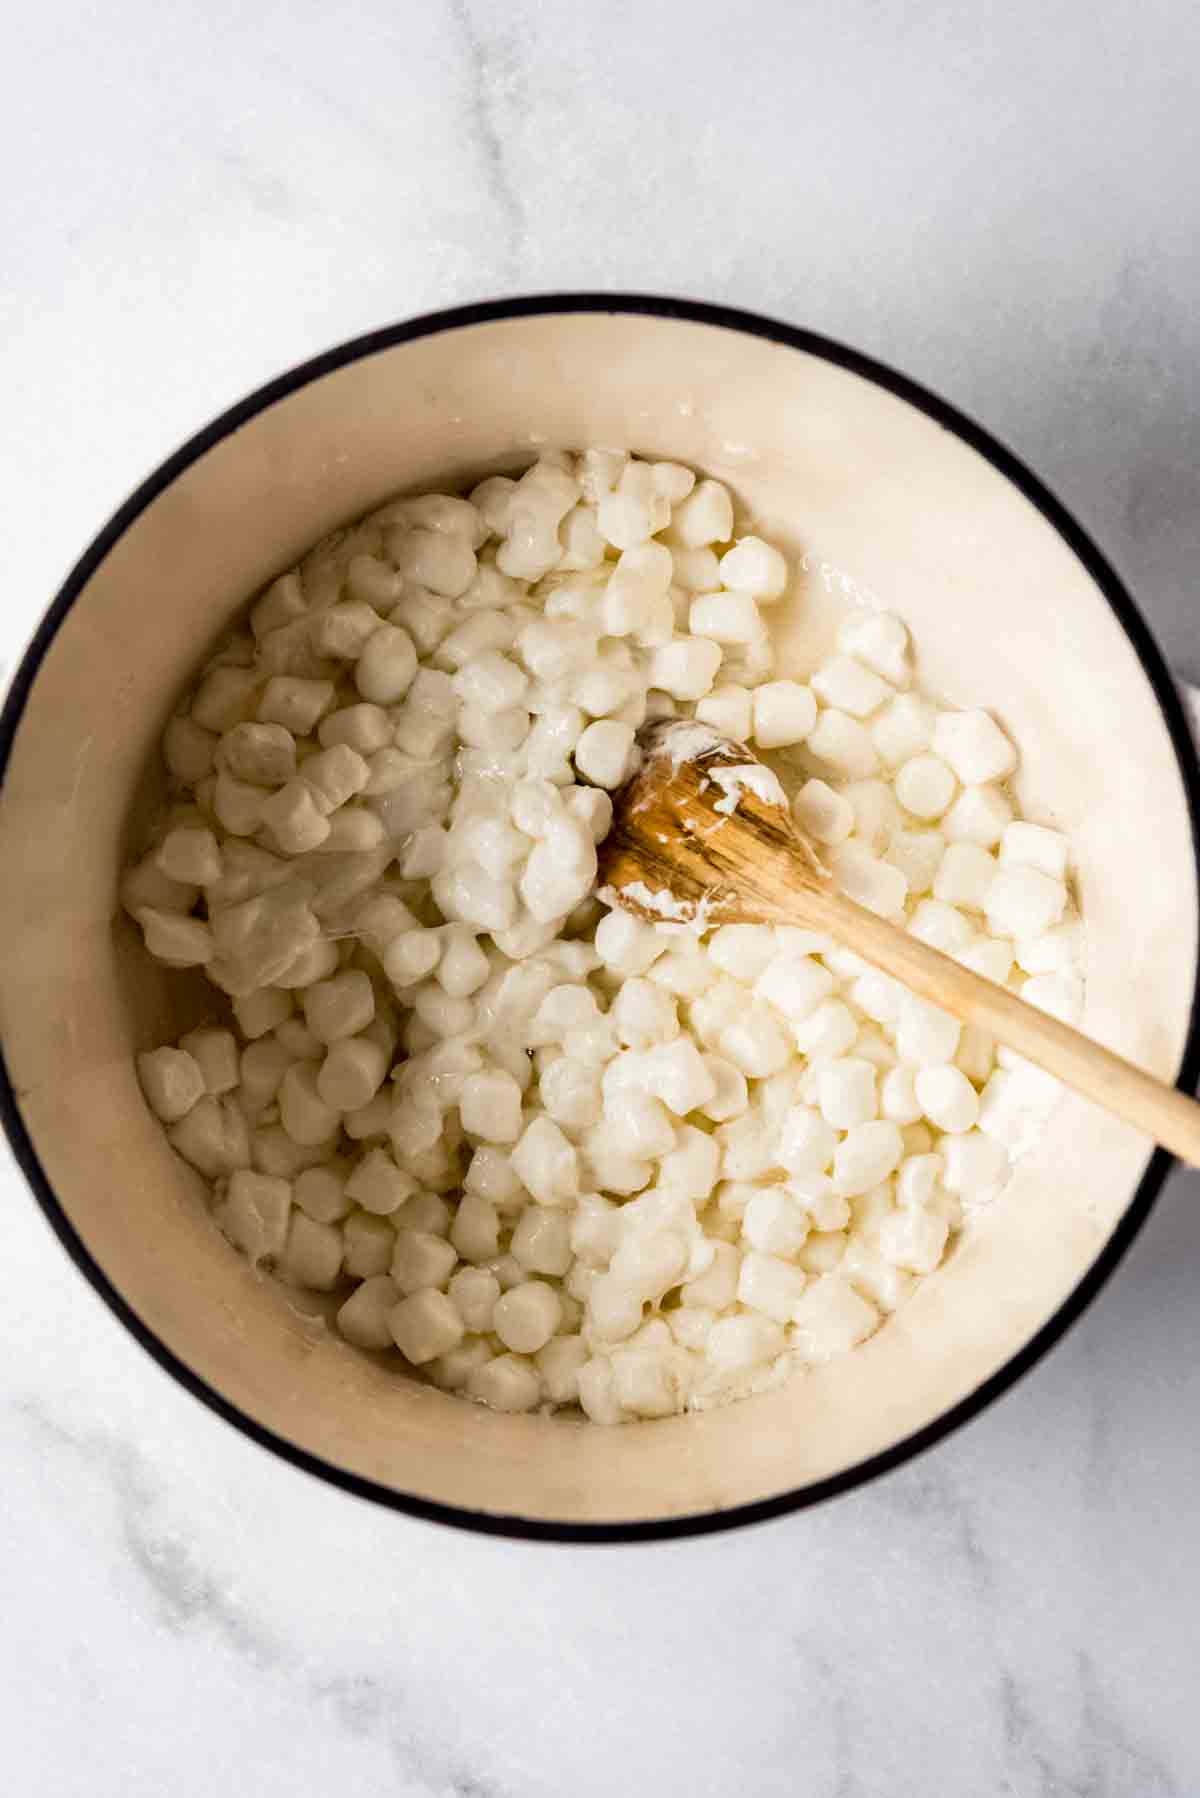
column 1001, row 201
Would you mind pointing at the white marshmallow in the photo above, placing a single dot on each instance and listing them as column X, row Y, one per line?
column 978, row 815
column 867, row 1154
column 846, row 684
column 794, row 984
column 339, row 1007
column 526, row 1317
column 511, row 1384
column 879, row 639
column 974, row 745
column 729, row 710
column 913, row 1239
column 903, row 729
column 1023, row 845
column 774, row 1222
column 425, row 1325
column 843, row 743
column 172, row 1082
column 947, row 1098
column 964, row 876
column 925, row 786
column 363, row 1319
column 604, row 753
column 704, row 517
column 784, row 712
column 846, row 1092
column 864, row 877
column 1023, row 902
column 685, row 668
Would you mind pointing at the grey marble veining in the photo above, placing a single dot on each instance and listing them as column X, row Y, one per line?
column 1002, row 204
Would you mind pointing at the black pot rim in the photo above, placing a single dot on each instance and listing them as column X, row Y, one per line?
column 1127, row 615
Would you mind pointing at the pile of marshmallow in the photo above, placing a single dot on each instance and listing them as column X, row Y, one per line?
column 544, row 1152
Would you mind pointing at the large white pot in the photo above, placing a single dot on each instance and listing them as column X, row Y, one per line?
column 843, row 462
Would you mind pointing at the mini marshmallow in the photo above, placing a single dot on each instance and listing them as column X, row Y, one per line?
column 737, row 1345
column 925, row 786
column 897, row 1096
column 1024, row 845
column 335, row 775
column 880, row 640
column 526, row 1317
column 973, row 1164
column 990, row 956
column 784, row 712
column 947, row 1098
column 864, row 877
column 729, row 710
column 822, row 813
column 826, row 1032
column 511, row 1384
column 213, row 1137
column 925, row 1034
column 913, row 1239
column 255, row 1214
column 172, row 1081
column 846, row 1092
column 303, row 1113
column 363, row 1319
column 352, row 1073
column 475, row 1232
column 725, row 617
column 843, row 743
column 756, row 1043
column 770, row 1286
column 903, row 729
column 190, row 855
column 546, row 1163
column 339, row 1007
column 876, row 815
column 604, row 752
column 295, row 703
column 940, row 925
column 974, row 746
column 425, row 1325
column 867, row 1154
column 180, row 942
column 753, row 566
column 685, row 668
column 964, row 876
column 1023, row 902
column 216, row 1054
column 225, row 697
column 918, row 855
column 806, row 1142
column 704, row 517
column 979, row 815
column 773, row 1222
column 490, row 1106
column 295, row 819
column 794, row 984
column 846, row 684
column 368, row 1244
column 320, row 1192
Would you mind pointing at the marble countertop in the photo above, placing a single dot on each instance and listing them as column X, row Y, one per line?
column 1002, row 204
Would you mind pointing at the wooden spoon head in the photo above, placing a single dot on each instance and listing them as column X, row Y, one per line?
column 703, row 835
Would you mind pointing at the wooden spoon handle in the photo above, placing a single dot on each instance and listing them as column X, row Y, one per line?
column 1159, row 1110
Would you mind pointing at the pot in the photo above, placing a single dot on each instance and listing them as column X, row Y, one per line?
column 882, row 493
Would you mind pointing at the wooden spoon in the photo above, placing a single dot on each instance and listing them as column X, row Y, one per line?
column 703, row 835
